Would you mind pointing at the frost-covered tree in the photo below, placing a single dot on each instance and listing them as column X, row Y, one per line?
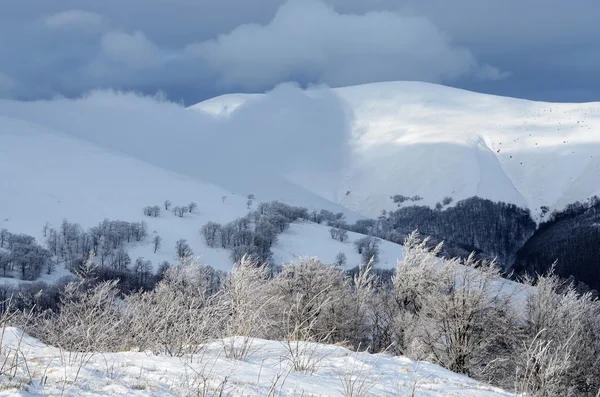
column 5, row 263
column 152, row 211
column 142, row 271
column 167, row 204
column 338, row 234
column 466, row 317
column 179, row 315
column 211, row 233
column 245, row 300
column 192, row 207
column 139, row 230
column 27, row 256
column 120, row 260
column 559, row 353
column 340, row 259
column 368, row 247
column 308, row 292
column 3, row 237
column 179, row 210
column 183, row 249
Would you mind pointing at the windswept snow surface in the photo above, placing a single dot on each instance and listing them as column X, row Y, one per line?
column 423, row 139
column 143, row 374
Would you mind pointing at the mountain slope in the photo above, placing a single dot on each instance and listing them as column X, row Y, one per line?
column 47, row 176
column 422, row 139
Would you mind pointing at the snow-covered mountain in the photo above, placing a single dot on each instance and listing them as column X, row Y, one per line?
column 47, row 176
column 413, row 138
column 348, row 150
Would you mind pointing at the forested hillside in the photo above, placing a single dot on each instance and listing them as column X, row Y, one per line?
column 571, row 239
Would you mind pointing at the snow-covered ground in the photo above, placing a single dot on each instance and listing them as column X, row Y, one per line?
column 47, row 176
column 47, row 371
column 423, row 139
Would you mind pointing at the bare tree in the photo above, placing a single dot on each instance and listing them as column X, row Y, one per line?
column 466, row 317
column 156, row 242
column 559, row 352
column 211, row 232
column 338, row 234
column 340, row 259
column 167, row 204
column 152, row 211
column 192, row 206
column 183, row 249
column 4, row 234
column 179, row 210
column 46, row 228
column 179, row 315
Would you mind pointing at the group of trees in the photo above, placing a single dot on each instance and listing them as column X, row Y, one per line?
column 255, row 233
column 72, row 245
column 401, row 199
column 368, row 248
column 21, row 253
column 152, row 211
column 571, row 238
column 178, row 210
column 457, row 313
column 497, row 229
column 338, row 234
column 492, row 230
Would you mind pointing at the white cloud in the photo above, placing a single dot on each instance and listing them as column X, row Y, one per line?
column 487, row 72
column 73, row 18
column 135, row 50
column 308, row 40
column 142, row 127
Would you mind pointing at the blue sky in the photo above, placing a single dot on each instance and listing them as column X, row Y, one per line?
column 195, row 49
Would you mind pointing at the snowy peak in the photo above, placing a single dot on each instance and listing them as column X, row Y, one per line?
column 432, row 141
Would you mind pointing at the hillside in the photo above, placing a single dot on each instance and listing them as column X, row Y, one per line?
column 413, row 138
column 48, row 176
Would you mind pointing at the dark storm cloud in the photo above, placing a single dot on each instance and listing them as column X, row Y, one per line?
column 193, row 49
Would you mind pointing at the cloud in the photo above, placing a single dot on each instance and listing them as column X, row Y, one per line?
column 254, row 142
column 309, row 41
column 134, row 50
column 6, row 85
column 193, row 50
column 73, row 18
column 487, row 72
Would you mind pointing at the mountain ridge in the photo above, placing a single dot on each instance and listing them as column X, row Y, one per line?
column 526, row 138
